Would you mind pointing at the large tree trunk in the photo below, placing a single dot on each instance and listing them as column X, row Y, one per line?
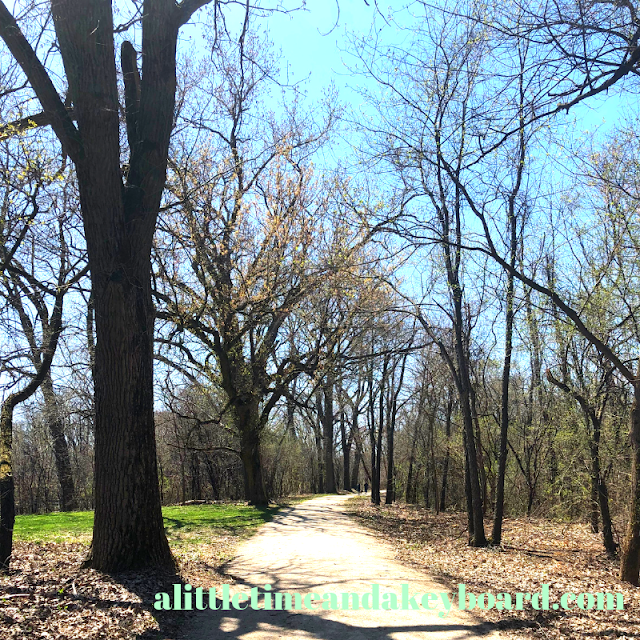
column 128, row 528
column 630, row 559
column 60, row 447
column 247, row 422
column 119, row 223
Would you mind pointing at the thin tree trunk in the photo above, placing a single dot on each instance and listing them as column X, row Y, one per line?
column 211, row 474
column 375, row 491
column 594, row 506
column 355, row 467
column 432, row 455
column 60, row 447
column 599, row 492
column 478, row 539
column 319, row 442
column 327, row 434
column 346, row 452
column 7, row 488
column 427, row 491
column 372, row 433
column 391, row 427
column 482, row 474
column 391, row 419
column 496, row 535
column 602, row 493
column 411, row 490
column 445, row 465
column 291, row 408
column 467, row 490
column 607, row 527
column 390, row 495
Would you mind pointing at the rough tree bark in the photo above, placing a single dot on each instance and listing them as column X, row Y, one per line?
column 119, row 223
column 246, row 417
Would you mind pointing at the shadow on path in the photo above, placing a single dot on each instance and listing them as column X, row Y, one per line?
column 250, row 624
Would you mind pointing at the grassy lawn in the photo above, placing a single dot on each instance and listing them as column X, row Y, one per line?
column 183, row 524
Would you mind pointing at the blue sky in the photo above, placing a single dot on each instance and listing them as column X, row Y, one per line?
column 312, row 41
column 313, row 47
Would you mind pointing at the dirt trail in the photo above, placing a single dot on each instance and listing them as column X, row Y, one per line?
column 316, row 547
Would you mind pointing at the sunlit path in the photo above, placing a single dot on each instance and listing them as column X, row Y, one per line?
column 315, row 548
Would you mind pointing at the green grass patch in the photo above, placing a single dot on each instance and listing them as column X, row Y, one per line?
column 183, row 524
column 192, row 524
column 74, row 526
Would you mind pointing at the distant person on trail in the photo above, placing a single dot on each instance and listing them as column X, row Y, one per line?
column 366, row 487
column 358, row 487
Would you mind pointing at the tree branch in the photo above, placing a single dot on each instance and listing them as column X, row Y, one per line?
column 41, row 83
column 42, row 119
column 187, row 8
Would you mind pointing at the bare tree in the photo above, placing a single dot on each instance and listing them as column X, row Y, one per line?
column 39, row 266
column 119, row 221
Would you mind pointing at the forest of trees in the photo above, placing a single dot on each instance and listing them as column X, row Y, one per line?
column 199, row 304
